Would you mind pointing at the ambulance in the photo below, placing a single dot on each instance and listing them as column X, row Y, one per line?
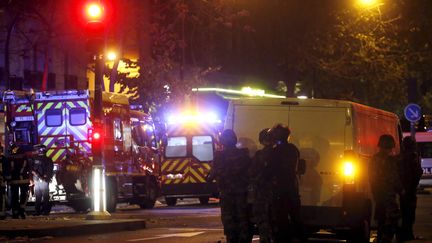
column 63, row 122
column 335, row 192
column 188, row 155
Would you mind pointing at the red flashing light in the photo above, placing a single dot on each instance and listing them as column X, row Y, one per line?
column 96, row 136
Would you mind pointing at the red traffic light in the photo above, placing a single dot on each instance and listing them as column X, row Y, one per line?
column 94, row 135
column 94, row 12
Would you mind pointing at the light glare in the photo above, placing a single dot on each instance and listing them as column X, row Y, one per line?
column 348, row 168
column 94, row 10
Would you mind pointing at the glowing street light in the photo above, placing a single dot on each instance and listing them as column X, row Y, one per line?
column 111, row 56
column 368, row 3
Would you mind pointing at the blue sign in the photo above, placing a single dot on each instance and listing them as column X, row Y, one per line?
column 412, row 112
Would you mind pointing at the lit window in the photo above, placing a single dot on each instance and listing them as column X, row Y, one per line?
column 53, row 118
column 176, row 147
column 78, row 116
column 118, row 129
column 202, row 148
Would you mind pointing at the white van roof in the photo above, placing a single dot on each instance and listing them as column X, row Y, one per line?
column 309, row 102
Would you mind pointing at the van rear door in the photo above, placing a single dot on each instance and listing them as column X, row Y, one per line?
column 249, row 120
column 320, row 134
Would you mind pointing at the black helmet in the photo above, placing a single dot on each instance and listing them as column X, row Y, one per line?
column 228, row 138
column 40, row 149
column 264, row 136
column 386, row 141
column 409, row 143
column 280, row 132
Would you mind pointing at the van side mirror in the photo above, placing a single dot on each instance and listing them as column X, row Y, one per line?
column 301, row 167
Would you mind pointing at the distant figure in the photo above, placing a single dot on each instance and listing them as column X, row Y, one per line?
column 230, row 172
column 282, row 171
column 260, row 192
column 4, row 176
column 410, row 172
column 42, row 172
column 20, row 180
column 385, row 185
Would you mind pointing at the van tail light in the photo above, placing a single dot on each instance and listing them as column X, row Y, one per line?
column 349, row 167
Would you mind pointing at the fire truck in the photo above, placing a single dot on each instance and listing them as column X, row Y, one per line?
column 62, row 121
column 188, row 155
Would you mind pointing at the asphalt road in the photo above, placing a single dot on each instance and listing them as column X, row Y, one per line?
column 192, row 222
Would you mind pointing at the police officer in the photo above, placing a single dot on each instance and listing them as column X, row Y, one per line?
column 42, row 171
column 385, row 185
column 285, row 204
column 260, row 192
column 4, row 175
column 19, row 183
column 230, row 172
column 410, row 172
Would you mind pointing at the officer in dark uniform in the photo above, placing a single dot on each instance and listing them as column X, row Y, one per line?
column 20, row 180
column 42, row 171
column 230, row 172
column 260, row 192
column 410, row 172
column 385, row 185
column 4, row 175
column 282, row 171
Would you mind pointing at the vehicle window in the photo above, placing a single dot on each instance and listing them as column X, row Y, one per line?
column 202, row 148
column 425, row 149
column 176, row 147
column 118, row 129
column 78, row 116
column 53, row 118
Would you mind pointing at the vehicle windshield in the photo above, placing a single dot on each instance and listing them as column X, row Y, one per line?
column 143, row 135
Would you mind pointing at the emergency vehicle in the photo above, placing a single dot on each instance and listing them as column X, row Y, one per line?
column 424, row 146
column 19, row 120
column 62, row 121
column 188, row 156
column 334, row 190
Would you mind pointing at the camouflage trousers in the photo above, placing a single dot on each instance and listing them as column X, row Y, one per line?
column 262, row 218
column 387, row 215
column 2, row 202
column 234, row 215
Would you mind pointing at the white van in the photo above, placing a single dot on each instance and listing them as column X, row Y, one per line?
column 424, row 145
column 335, row 194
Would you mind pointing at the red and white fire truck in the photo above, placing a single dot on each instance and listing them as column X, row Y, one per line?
column 62, row 121
column 188, row 155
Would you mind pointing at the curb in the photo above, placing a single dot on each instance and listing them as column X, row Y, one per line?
column 92, row 227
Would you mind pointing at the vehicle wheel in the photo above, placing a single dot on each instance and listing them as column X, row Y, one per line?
column 111, row 195
column 204, row 200
column 360, row 234
column 80, row 206
column 152, row 194
column 171, row 201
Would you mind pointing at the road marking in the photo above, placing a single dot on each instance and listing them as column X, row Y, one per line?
column 189, row 234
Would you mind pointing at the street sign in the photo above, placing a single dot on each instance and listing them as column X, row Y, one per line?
column 412, row 112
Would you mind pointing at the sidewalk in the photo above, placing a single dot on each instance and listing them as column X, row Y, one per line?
column 61, row 225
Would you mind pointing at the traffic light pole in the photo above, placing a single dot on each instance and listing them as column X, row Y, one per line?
column 99, row 186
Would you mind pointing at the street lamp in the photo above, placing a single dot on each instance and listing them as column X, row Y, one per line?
column 368, row 3
column 94, row 16
column 111, row 56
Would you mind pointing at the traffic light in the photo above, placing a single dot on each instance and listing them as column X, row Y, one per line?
column 94, row 16
column 95, row 137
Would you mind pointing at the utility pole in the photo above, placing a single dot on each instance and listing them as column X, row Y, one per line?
column 95, row 32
